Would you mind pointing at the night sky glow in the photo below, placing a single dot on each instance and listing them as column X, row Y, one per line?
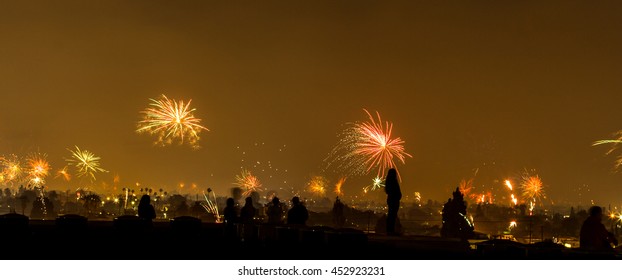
column 475, row 90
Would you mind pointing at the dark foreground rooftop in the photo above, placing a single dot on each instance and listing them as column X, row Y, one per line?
column 187, row 238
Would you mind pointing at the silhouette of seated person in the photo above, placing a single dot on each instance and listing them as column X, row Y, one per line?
column 248, row 211
column 298, row 215
column 275, row 212
column 594, row 235
column 145, row 209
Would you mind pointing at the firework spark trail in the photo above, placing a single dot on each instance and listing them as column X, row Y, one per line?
column 339, row 186
column 248, row 182
column 616, row 143
column 45, row 209
column 210, row 206
column 86, row 163
column 508, row 183
column 317, row 185
column 364, row 146
column 417, row 197
column 481, row 198
column 127, row 197
column 170, row 120
column 513, row 224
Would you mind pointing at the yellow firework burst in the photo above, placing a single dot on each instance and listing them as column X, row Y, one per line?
column 317, row 185
column 85, row 162
column 12, row 169
column 532, row 187
column 171, row 120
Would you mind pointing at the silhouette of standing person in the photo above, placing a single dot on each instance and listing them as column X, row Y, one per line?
column 338, row 218
column 230, row 213
column 145, row 209
column 247, row 214
column 231, row 217
column 394, row 195
column 275, row 212
column 594, row 235
column 298, row 215
column 248, row 211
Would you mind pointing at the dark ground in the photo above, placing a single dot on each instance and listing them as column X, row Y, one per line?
column 189, row 239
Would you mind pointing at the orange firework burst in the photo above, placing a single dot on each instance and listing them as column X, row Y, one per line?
column 368, row 145
column 38, row 169
column 317, row 185
column 170, row 120
column 64, row 173
column 339, row 185
column 532, row 187
column 248, row 182
column 466, row 187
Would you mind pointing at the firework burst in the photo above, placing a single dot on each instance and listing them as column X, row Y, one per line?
column 12, row 169
column 339, row 186
column 364, row 146
column 532, row 187
column 377, row 183
column 615, row 145
column 86, row 163
column 466, row 187
column 317, row 185
column 171, row 120
column 248, row 182
column 38, row 169
column 64, row 173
